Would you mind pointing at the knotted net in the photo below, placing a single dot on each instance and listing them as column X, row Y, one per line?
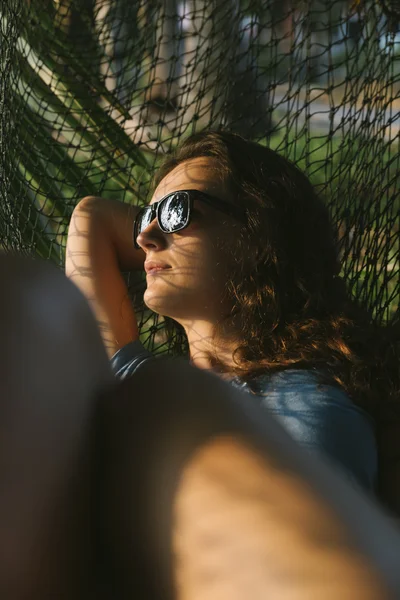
column 93, row 93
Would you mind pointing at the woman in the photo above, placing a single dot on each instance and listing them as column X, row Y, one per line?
column 241, row 260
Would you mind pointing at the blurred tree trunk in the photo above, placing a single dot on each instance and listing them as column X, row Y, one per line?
column 163, row 75
column 321, row 19
column 75, row 18
column 116, row 27
column 248, row 111
column 220, row 77
column 211, row 36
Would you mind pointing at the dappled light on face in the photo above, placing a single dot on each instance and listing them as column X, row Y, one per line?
column 190, row 236
column 201, row 173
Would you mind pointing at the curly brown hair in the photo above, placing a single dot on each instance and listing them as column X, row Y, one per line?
column 289, row 303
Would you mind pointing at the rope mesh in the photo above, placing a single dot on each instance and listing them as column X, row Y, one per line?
column 94, row 92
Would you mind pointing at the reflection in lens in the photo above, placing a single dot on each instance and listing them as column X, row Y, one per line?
column 145, row 220
column 174, row 212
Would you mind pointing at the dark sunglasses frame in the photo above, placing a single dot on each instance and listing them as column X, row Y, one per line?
column 191, row 195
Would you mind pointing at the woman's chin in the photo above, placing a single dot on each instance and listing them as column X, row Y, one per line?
column 163, row 305
column 155, row 302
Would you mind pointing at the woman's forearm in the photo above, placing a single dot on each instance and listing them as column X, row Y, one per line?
column 117, row 219
column 99, row 245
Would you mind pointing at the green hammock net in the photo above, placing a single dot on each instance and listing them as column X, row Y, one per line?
column 93, row 93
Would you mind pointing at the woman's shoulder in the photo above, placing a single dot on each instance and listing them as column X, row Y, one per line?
column 322, row 417
column 308, row 391
column 309, row 387
column 129, row 358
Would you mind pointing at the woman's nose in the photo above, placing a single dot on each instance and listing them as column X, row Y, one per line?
column 151, row 237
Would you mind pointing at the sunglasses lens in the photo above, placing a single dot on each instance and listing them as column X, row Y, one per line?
column 174, row 212
column 145, row 220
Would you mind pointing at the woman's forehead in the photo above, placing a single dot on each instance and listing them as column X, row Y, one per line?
column 200, row 173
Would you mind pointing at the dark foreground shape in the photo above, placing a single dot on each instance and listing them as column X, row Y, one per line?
column 170, row 485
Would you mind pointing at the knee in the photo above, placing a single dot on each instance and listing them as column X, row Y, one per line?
column 23, row 277
column 35, row 291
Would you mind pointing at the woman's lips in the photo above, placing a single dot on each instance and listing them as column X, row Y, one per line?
column 156, row 270
column 153, row 267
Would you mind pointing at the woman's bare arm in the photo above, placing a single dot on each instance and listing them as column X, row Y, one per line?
column 99, row 247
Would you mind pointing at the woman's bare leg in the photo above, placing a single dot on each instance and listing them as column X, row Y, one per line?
column 51, row 364
column 207, row 497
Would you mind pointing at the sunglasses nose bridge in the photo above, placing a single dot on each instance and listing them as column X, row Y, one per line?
column 145, row 234
column 150, row 216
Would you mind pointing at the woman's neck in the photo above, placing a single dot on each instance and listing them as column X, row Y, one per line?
column 201, row 344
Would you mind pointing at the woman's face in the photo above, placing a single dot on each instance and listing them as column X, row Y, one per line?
column 192, row 286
